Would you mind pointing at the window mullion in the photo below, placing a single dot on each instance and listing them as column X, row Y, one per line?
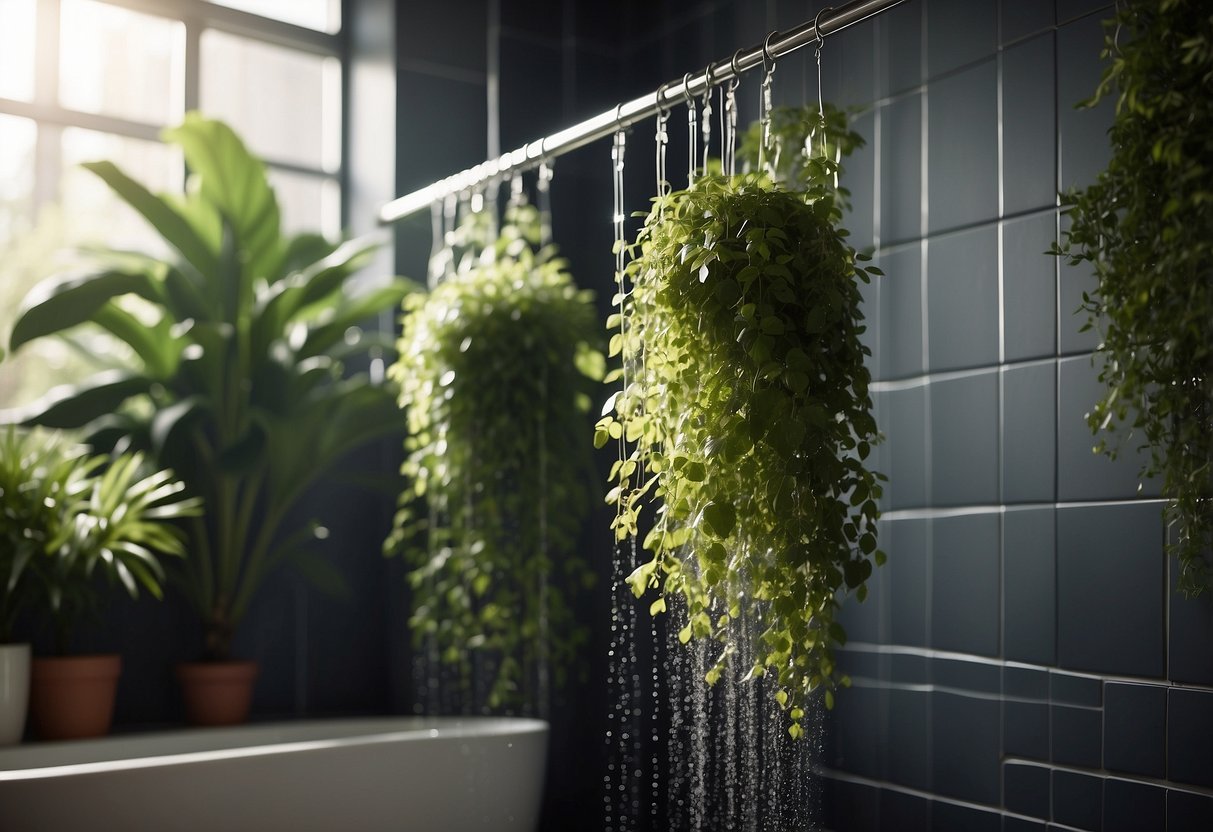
column 48, row 153
column 193, row 75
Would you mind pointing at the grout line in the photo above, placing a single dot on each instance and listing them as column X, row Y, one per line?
column 950, row 375
column 927, row 81
column 1025, row 213
column 443, row 71
column 1105, row 774
column 931, row 653
column 937, row 512
column 931, row 797
column 867, row 682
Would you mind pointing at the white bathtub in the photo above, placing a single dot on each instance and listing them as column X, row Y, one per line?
column 398, row 773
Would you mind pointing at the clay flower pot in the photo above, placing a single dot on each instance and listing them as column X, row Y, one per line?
column 72, row 697
column 14, row 691
column 217, row 693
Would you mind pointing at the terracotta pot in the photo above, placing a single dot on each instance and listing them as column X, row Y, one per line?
column 217, row 693
column 72, row 697
column 14, row 691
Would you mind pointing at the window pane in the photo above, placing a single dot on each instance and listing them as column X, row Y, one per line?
column 17, row 139
column 307, row 203
column 97, row 215
column 121, row 63
column 17, row 49
column 323, row 15
column 285, row 104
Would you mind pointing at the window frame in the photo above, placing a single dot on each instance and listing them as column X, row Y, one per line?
column 51, row 117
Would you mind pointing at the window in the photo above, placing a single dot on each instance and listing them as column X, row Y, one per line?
column 82, row 80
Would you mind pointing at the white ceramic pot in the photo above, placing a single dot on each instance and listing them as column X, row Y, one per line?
column 14, row 691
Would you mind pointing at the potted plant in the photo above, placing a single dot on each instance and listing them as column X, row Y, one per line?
column 745, row 421
column 240, row 340
column 28, row 520
column 1143, row 228
column 495, row 369
column 68, row 522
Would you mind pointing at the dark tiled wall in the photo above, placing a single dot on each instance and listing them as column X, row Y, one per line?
column 1022, row 662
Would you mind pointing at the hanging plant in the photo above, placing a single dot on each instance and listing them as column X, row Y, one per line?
column 1144, row 228
column 795, row 138
column 495, row 369
column 745, row 422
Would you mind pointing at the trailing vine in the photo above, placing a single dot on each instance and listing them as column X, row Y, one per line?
column 745, row 421
column 1146, row 229
column 495, row 369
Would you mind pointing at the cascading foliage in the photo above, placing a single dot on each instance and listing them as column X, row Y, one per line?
column 495, row 369
column 745, row 421
column 1145, row 228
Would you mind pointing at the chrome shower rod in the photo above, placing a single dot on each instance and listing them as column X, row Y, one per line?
column 532, row 154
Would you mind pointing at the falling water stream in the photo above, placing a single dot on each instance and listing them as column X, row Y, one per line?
column 713, row 758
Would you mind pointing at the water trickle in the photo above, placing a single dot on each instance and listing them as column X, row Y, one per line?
column 699, row 735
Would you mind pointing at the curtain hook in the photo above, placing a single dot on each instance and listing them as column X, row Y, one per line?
column 663, row 110
column 686, row 90
column 619, row 126
column 708, row 79
column 767, row 57
column 817, row 26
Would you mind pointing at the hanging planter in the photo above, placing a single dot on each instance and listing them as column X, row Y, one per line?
column 495, row 368
column 1144, row 228
column 745, row 421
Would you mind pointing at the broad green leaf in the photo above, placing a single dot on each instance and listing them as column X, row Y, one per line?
column 71, row 407
column 331, row 331
column 721, row 518
column 155, row 345
column 234, row 181
column 58, row 304
column 176, row 229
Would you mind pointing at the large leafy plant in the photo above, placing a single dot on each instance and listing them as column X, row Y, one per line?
column 66, row 517
column 495, row 366
column 240, row 340
column 1146, row 229
column 744, row 422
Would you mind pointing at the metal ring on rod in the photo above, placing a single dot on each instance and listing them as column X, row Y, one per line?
column 663, row 110
column 733, row 65
column 619, row 125
column 767, row 57
column 817, row 25
column 686, row 90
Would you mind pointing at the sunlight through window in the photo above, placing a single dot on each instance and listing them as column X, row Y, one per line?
column 121, row 63
column 322, row 15
column 17, row 49
column 285, row 103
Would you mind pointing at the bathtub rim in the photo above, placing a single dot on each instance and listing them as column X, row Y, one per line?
column 419, row 729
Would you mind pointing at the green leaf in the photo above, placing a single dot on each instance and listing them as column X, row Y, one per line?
column 176, row 229
column 155, row 345
column 227, row 176
column 334, row 328
column 721, row 518
column 71, row 407
column 57, row 304
column 641, row 577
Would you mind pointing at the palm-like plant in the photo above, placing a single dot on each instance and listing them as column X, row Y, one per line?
column 62, row 521
column 238, row 383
